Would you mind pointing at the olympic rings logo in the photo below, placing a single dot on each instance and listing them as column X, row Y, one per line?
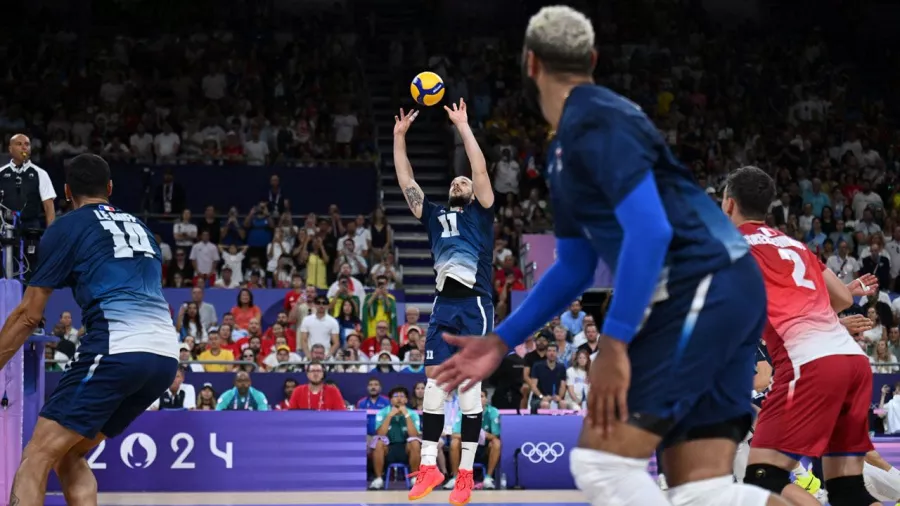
column 542, row 452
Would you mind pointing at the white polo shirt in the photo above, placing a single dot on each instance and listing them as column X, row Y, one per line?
column 206, row 254
column 45, row 186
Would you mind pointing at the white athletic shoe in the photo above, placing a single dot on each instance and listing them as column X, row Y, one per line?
column 450, row 484
column 488, row 483
column 377, row 484
column 661, row 481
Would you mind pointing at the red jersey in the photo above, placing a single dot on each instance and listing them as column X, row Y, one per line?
column 801, row 326
column 329, row 398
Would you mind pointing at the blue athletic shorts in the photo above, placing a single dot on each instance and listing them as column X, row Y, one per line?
column 694, row 359
column 468, row 316
column 105, row 393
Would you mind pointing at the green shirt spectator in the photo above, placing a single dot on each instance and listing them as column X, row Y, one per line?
column 397, row 432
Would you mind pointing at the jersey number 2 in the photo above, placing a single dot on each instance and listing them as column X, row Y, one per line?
column 448, row 221
column 799, row 273
column 136, row 240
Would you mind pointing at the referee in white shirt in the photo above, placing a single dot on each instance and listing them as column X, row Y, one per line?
column 25, row 187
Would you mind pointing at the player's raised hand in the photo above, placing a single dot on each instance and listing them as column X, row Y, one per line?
column 476, row 359
column 458, row 113
column 610, row 377
column 863, row 286
column 404, row 120
column 856, row 323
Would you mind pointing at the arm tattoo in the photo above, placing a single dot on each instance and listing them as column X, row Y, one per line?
column 413, row 197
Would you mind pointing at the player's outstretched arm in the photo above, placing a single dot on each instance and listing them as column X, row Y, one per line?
column 481, row 181
column 22, row 321
column 838, row 293
column 411, row 190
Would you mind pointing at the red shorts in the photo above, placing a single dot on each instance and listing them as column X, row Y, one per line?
column 820, row 408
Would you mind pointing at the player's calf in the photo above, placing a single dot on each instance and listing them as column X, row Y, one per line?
column 849, row 491
column 50, row 442
column 79, row 485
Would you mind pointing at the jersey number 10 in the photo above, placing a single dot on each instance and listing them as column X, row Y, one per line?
column 448, row 222
column 135, row 241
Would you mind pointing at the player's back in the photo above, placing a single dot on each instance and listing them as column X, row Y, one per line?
column 113, row 264
column 624, row 147
column 802, row 326
column 461, row 242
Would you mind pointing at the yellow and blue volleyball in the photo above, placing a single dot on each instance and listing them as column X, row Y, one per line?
column 427, row 88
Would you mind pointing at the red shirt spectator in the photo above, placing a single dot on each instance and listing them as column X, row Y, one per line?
column 412, row 320
column 372, row 345
column 281, row 328
column 295, row 295
column 317, row 396
column 512, row 275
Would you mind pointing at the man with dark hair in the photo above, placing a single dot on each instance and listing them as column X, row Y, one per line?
column 753, row 189
column 129, row 352
column 400, row 441
column 805, row 338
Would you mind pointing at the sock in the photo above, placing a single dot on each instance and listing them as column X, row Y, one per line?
column 429, row 453
column 608, row 479
column 432, row 427
column 467, row 456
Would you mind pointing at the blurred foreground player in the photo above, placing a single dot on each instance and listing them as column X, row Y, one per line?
column 129, row 353
column 676, row 359
column 819, row 402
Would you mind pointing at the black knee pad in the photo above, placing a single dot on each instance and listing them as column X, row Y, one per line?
column 769, row 477
column 848, row 491
column 470, row 428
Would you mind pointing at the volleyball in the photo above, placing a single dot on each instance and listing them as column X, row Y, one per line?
column 427, row 88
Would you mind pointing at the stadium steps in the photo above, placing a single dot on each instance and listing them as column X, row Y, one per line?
column 427, row 145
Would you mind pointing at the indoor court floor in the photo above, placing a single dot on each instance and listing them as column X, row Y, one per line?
column 388, row 498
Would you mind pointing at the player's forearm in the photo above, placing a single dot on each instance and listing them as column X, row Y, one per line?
column 401, row 162
column 569, row 276
column 19, row 325
column 838, row 293
column 473, row 151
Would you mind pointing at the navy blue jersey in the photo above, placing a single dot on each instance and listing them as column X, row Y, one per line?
column 462, row 243
column 113, row 265
column 604, row 147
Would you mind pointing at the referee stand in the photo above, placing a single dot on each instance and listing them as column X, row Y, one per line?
column 22, row 379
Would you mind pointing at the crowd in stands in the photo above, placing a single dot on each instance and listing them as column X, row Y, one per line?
column 201, row 92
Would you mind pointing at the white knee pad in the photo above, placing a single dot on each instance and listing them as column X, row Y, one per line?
column 470, row 400
column 716, row 492
column 434, row 398
column 881, row 484
column 610, row 480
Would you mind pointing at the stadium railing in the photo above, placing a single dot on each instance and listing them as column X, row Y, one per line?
column 185, row 362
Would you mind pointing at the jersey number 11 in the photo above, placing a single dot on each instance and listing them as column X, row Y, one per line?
column 448, row 222
column 136, row 241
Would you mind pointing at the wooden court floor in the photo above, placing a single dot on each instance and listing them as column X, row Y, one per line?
column 363, row 498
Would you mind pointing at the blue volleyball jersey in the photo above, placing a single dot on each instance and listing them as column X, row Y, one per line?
column 113, row 265
column 604, row 147
column 462, row 243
